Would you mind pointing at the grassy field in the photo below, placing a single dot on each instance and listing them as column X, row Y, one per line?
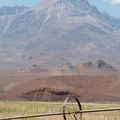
column 11, row 109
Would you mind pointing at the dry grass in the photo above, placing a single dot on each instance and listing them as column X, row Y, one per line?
column 10, row 109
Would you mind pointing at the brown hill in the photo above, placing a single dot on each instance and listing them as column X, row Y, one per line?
column 88, row 88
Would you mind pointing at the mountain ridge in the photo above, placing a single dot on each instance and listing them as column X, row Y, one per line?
column 50, row 35
column 12, row 10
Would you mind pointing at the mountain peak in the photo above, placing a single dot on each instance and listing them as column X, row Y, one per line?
column 57, row 29
column 67, row 4
column 77, row 2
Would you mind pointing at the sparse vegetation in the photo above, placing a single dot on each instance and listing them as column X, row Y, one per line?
column 11, row 108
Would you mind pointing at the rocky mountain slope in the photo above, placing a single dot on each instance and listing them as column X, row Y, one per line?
column 7, row 10
column 57, row 32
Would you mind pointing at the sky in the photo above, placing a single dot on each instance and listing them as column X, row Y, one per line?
column 112, row 7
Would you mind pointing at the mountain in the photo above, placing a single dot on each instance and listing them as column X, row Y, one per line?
column 57, row 32
column 7, row 10
column 88, row 68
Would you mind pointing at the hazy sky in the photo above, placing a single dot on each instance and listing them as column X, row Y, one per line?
column 110, row 6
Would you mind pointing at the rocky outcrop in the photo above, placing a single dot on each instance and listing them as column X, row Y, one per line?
column 100, row 64
column 36, row 69
column 46, row 94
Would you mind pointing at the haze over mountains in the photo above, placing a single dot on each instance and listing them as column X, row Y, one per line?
column 58, row 32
